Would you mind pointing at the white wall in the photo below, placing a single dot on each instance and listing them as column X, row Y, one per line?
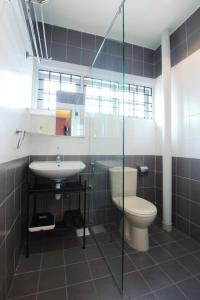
column 103, row 133
column 186, row 107
column 15, row 80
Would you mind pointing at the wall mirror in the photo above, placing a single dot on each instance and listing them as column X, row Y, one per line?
column 65, row 118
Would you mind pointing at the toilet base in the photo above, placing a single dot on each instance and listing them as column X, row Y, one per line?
column 137, row 238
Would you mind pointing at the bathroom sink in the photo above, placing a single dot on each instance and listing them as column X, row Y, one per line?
column 56, row 171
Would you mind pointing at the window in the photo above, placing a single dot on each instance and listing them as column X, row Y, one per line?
column 51, row 82
column 101, row 96
column 106, row 97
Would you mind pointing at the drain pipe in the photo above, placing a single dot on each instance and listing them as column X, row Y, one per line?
column 167, row 144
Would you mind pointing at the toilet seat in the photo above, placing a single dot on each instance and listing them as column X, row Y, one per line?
column 136, row 206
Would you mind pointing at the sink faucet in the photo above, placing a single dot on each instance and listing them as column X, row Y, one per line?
column 58, row 158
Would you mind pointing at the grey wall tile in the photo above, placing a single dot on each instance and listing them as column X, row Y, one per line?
column 193, row 42
column 2, row 182
column 195, row 213
column 159, row 179
column 159, row 163
column 180, row 52
column 195, row 231
column 87, row 57
column 138, row 52
column 74, row 38
column 73, row 55
column 2, row 223
column 183, row 186
column 183, row 167
column 98, row 41
column 115, row 48
column 148, row 70
column 182, row 207
column 179, row 36
column 193, row 23
column 195, row 169
column 149, row 179
column 48, row 31
column 138, row 67
column 182, row 224
column 128, row 50
column 59, row 34
column 88, row 41
column 148, row 55
column 150, row 161
column 58, row 51
column 195, row 191
column 128, row 66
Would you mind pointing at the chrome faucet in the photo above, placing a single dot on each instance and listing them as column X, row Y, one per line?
column 58, row 158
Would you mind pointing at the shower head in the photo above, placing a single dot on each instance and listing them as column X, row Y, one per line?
column 39, row 1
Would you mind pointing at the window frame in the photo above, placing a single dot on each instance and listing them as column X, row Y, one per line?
column 98, row 76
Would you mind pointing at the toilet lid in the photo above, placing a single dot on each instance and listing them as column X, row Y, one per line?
column 136, row 205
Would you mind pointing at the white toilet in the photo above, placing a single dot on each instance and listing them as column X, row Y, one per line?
column 139, row 213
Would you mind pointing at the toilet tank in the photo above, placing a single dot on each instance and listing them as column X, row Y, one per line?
column 116, row 181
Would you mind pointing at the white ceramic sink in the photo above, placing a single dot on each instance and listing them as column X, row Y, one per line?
column 56, row 171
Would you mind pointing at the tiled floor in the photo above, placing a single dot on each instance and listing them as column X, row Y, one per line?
column 59, row 269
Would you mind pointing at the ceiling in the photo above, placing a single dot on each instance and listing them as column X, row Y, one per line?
column 145, row 20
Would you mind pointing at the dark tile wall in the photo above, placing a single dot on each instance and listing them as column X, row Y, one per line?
column 186, row 39
column 185, row 193
column 80, row 48
column 13, row 176
column 100, row 207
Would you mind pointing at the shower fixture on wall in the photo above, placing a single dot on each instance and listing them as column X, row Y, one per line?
column 37, row 35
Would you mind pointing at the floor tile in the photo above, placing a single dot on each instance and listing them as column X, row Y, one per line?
column 142, row 260
column 148, row 297
column 177, row 234
column 53, row 244
column 32, row 297
column 22, row 285
column 191, row 263
column 52, row 279
column 92, row 252
column 31, row 263
column 83, row 291
column 77, row 273
column 156, row 278
column 162, row 238
column 52, row 259
column 175, row 249
column 107, row 290
column 128, row 249
column 72, row 242
column 98, row 268
column 191, row 288
column 154, row 229
column 189, row 244
column 59, row 294
column 170, row 293
column 116, row 264
column 159, row 254
column 175, row 270
column 111, row 250
column 74, row 255
column 134, row 285
column 152, row 243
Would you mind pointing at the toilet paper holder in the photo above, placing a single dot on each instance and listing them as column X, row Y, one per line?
column 143, row 170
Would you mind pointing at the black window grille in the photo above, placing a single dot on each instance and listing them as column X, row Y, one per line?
column 101, row 96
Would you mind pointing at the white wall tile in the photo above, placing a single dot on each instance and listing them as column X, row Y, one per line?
column 15, row 80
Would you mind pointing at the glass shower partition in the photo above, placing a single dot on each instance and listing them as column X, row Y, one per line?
column 104, row 90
